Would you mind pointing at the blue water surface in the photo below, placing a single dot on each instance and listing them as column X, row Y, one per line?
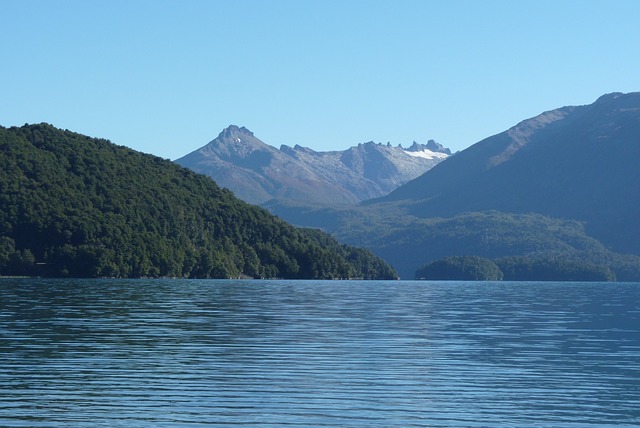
column 189, row 353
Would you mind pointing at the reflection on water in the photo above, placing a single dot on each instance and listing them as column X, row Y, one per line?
column 169, row 353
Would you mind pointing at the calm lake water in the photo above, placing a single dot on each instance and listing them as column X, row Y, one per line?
column 187, row 353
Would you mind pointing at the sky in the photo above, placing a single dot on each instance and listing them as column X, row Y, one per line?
column 165, row 77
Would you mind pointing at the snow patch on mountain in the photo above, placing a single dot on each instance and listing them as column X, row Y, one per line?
column 427, row 154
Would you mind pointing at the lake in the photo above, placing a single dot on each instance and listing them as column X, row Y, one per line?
column 189, row 353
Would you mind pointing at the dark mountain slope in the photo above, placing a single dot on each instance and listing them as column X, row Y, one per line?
column 71, row 205
column 563, row 185
column 574, row 163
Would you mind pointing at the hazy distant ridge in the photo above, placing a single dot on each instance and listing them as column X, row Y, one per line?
column 257, row 172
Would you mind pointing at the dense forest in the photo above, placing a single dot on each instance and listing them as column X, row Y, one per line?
column 525, row 245
column 516, row 268
column 461, row 268
column 72, row 205
column 408, row 242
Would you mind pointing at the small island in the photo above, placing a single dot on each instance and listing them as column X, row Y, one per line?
column 516, row 268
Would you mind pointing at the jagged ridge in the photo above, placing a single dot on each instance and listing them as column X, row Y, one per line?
column 257, row 172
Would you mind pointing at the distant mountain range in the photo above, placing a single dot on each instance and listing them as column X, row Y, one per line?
column 565, row 183
column 257, row 172
column 557, row 191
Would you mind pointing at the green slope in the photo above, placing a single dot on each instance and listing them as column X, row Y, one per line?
column 408, row 242
column 71, row 205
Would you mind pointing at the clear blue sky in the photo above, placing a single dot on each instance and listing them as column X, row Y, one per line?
column 165, row 77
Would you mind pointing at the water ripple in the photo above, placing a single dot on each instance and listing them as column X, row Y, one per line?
column 178, row 353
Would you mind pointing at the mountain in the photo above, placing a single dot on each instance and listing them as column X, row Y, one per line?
column 577, row 163
column 257, row 172
column 72, row 205
column 564, row 184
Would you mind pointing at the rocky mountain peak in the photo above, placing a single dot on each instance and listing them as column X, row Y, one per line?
column 233, row 143
column 431, row 145
column 258, row 172
column 437, row 147
column 609, row 97
column 234, row 131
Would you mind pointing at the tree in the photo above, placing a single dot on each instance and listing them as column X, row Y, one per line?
column 80, row 206
column 461, row 268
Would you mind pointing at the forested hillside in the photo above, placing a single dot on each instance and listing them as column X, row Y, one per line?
column 71, row 205
column 561, row 185
column 408, row 242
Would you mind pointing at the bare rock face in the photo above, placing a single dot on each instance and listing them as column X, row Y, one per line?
column 257, row 172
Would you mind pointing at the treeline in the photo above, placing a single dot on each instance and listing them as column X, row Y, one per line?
column 461, row 268
column 517, row 268
column 408, row 243
column 76, row 206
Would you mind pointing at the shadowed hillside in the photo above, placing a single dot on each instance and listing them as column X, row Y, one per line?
column 564, row 184
column 575, row 163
